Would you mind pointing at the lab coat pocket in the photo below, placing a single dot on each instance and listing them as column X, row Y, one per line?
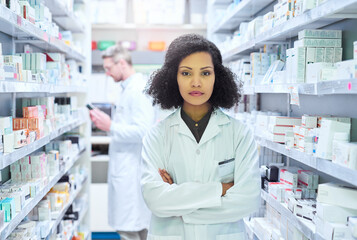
column 234, row 236
column 226, row 170
column 153, row 237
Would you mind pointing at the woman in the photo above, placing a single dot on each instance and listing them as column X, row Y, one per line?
column 200, row 167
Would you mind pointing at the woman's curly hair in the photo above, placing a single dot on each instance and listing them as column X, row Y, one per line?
column 163, row 86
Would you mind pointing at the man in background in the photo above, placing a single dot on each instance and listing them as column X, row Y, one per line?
column 134, row 115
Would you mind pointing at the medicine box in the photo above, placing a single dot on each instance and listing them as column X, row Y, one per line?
column 315, row 33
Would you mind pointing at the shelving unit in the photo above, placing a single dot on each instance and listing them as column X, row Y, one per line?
column 328, row 13
column 73, row 196
column 348, row 86
column 303, row 225
column 136, row 27
column 63, row 17
column 32, row 202
column 323, row 165
column 25, row 87
column 10, row 158
column 321, row 98
column 25, row 32
column 244, row 11
column 15, row 32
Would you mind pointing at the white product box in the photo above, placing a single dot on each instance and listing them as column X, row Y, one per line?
column 6, row 125
column 332, row 231
column 345, row 154
column 299, row 65
column 284, row 121
column 309, row 121
column 328, row 129
column 338, row 55
column 333, row 213
column 310, row 55
column 290, row 53
column 352, row 225
column 8, row 143
column 325, row 43
column 314, row 71
column 329, row 55
column 308, row 179
column 346, row 69
column 279, row 129
column 308, row 5
column 276, row 190
column 279, row 138
column 339, row 195
column 20, row 138
column 289, row 177
column 314, row 33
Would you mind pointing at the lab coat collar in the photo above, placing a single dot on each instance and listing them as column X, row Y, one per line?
column 126, row 82
column 217, row 118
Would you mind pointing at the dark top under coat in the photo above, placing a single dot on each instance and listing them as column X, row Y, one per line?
column 197, row 128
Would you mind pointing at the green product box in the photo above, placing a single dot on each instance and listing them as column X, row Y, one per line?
column 313, row 33
column 8, row 205
column 103, row 45
column 320, row 55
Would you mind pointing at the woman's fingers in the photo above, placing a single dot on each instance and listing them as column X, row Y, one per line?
column 165, row 176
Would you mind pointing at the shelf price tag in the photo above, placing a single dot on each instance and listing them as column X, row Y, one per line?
column 19, row 20
column 294, row 95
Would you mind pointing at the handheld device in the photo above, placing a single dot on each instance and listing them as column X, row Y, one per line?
column 90, row 106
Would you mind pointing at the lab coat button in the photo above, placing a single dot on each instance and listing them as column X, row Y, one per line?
column 198, row 152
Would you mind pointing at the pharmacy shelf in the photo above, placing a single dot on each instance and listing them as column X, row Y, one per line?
column 348, row 86
column 327, row 13
column 54, row 224
column 26, row 87
column 306, row 227
column 217, row 2
column 10, row 158
column 63, row 17
column 136, row 27
column 244, row 11
column 239, row 51
column 82, row 213
column 26, row 32
column 100, row 140
column 323, row 165
column 250, row 231
column 32, row 202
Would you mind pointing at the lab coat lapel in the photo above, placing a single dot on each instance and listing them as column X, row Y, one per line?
column 213, row 129
column 182, row 128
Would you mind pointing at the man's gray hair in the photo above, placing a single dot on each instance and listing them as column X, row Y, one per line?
column 117, row 52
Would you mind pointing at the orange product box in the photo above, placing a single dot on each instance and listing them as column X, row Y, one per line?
column 20, row 123
column 35, row 123
column 157, row 46
column 30, row 112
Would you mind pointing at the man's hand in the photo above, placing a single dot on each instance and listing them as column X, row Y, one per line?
column 165, row 176
column 100, row 119
column 225, row 187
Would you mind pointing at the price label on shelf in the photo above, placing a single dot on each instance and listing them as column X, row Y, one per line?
column 19, row 20
column 294, row 96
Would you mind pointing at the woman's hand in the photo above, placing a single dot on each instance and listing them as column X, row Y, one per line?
column 225, row 187
column 165, row 176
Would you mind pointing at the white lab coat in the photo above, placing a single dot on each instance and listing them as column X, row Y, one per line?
column 133, row 116
column 192, row 207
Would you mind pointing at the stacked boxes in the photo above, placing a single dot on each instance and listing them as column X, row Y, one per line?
column 335, row 204
column 278, row 126
column 313, row 47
